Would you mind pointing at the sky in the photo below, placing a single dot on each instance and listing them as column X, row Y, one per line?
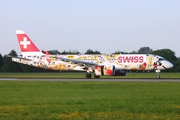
column 103, row 25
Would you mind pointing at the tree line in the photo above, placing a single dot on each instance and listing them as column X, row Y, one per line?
column 6, row 65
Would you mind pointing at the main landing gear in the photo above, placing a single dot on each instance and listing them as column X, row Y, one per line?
column 95, row 76
column 158, row 74
column 88, row 75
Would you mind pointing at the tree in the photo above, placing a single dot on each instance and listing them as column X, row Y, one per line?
column 176, row 66
column 166, row 53
column 170, row 56
column 10, row 66
column 53, row 52
column 89, row 51
column 133, row 52
column 145, row 50
column 71, row 52
column 1, row 62
column 119, row 52
column 13, row 53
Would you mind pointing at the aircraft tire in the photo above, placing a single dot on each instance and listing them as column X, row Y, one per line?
column 88, row 75
column 158, row 77
column 96, row 76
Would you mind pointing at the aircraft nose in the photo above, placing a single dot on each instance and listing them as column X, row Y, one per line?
column 169, row 65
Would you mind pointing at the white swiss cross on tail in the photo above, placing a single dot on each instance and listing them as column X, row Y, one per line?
column 25, row 43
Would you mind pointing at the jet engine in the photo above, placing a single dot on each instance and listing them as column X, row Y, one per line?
column 120, row 73
column 104, row 70
column 108, row 70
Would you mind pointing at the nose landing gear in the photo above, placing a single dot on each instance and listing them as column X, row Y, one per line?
column 158, row 74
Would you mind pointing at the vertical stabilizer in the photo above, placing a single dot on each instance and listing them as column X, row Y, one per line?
column 26, row 45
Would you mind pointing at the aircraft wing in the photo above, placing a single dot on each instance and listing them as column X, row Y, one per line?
column 77, row 61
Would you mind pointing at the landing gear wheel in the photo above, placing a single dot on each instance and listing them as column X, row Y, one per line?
column 88, row 75
column 96, row 76
column 158, row 76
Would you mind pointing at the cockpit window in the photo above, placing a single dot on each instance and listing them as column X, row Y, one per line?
column 161, row 59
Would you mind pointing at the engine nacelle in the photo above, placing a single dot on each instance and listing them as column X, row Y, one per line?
column 108, row 70
column 120, row 73
column 104, row 70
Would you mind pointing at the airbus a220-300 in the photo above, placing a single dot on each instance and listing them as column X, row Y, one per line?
column 99, row 64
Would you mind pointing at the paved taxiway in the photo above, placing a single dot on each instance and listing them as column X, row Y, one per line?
column 99, row 80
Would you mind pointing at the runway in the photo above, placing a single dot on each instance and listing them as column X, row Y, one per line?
column 94, row 80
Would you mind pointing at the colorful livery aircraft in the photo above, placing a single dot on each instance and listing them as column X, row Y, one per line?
column 102, row 64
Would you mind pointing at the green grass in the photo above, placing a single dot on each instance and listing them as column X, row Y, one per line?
column 82, row 75
column 89, row 100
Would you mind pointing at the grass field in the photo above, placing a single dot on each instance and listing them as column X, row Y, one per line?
column 89, row 100
column 82, row 75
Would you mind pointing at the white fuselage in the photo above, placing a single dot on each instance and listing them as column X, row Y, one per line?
column 82, row 62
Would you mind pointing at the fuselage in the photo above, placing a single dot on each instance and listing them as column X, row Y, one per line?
column 120, row 61
column 101, row 64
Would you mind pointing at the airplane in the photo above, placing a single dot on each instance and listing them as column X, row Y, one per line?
column 99, row 64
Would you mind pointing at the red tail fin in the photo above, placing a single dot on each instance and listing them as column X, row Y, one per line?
column 25, row 43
